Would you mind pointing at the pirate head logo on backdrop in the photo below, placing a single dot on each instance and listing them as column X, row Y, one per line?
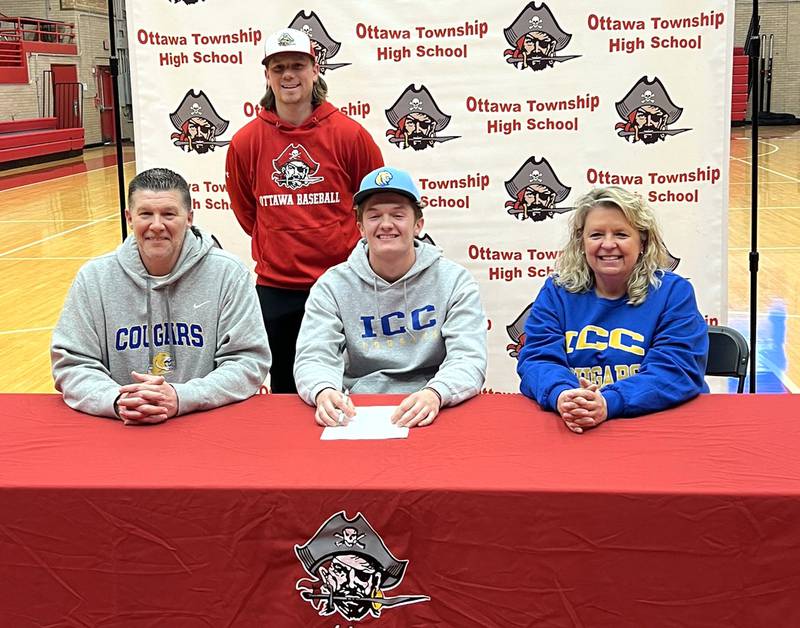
column 536, row 37
column 536, row 189
column 198, row 124
column 516, row 330
column 295, row 168
column 647, row 111
column 416, row 120
column 325, row 47
column 350, row 569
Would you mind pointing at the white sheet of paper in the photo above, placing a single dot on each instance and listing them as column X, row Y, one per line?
column 370, row 423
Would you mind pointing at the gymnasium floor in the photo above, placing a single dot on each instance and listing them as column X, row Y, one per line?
column 54, row 217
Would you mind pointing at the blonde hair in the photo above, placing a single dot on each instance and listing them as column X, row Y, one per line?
column 573, row 271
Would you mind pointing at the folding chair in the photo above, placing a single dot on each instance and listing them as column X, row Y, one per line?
column 728, row 354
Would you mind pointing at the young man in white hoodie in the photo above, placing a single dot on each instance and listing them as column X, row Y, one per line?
column 166, row 324
column 396, row 317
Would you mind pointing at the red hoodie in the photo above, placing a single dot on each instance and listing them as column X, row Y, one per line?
column 292, row 187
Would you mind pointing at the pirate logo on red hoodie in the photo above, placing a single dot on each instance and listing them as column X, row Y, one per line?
column 295, row 168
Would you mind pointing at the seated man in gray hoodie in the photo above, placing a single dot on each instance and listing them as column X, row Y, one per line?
column 166, row 324
column 396, row 317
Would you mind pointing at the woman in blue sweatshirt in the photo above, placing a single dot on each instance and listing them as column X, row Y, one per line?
column 613, row 333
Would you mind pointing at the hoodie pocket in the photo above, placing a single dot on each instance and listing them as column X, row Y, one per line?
column 305, row 253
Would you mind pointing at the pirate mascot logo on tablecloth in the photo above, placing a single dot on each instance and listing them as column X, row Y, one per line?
column 295, row 168
column 416, row 119
column 323, row 45
column 647, row 111
column 536, row 189
column 198, row 124
column 536, row 37
column 350, row 569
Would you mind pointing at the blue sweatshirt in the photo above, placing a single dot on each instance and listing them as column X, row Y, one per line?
column 646, row 357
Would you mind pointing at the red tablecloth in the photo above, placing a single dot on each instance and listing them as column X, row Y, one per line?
column 689, row 517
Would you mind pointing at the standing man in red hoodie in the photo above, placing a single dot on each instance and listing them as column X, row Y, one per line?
column 291, row 176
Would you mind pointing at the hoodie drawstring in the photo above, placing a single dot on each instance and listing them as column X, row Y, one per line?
column 151, row 345
column 150, row 354
column 405, row 309
column 375, row 295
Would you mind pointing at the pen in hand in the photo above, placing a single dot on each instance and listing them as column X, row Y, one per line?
column 340, row 420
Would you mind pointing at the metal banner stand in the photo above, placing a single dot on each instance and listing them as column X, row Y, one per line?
column 754, row 50
column 113, row 61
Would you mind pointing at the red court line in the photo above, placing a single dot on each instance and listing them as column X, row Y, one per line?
column 55, row 172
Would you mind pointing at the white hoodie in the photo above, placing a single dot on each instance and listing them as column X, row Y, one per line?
column 427, row 329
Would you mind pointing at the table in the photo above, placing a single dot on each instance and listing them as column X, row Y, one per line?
column 689, row 517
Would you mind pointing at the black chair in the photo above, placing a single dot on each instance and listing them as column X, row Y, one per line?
column 728, row 354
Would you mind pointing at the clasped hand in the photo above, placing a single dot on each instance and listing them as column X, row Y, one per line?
column 150, row 399
column 582, row 408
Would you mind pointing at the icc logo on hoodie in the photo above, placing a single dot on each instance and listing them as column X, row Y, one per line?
column 395, row 323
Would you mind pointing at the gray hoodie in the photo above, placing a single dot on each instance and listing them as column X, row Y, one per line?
column 427, row 329
column 200, row 327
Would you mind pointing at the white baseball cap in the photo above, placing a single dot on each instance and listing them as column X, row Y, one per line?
column 287, row 40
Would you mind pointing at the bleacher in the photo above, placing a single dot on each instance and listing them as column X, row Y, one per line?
column 59, row 131
column 36, row 139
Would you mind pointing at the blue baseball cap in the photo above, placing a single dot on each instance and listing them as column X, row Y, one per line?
column 387, row 179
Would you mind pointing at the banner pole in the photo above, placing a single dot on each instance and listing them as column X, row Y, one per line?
column 755, row 51
column 114, row 65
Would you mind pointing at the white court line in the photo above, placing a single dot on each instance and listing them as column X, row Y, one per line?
column 780, row 174
column 66, row 176
column 761, row 315
column 776, row 137
column 760, row 183
column 24, row 331
column 41, row 259
column 765, row 248
column 55, row 235
column 764, row 315
column 786, row 381
column 782, row 376
column 773, row 146
column 760, row 206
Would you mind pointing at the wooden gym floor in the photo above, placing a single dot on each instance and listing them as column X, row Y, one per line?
column 54, row 217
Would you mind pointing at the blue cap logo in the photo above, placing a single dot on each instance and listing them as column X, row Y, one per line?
column 387, row 179
column 383, row 178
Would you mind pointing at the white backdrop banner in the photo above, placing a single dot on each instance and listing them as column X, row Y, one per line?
column 521, row 109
